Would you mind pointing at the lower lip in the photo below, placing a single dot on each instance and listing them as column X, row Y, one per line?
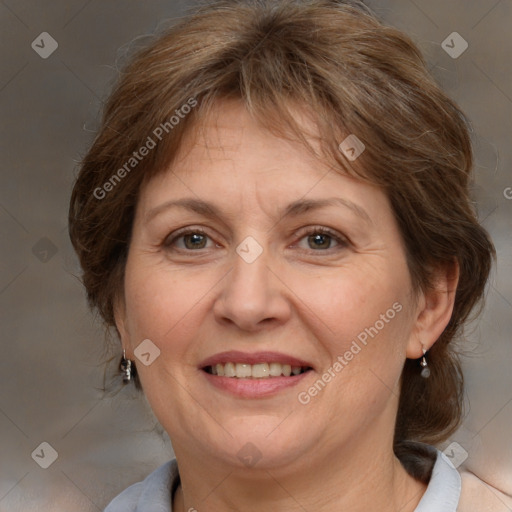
column 255, row 388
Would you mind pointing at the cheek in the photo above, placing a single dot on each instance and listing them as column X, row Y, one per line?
column 350, row 300
column 159, row 300
column 162, row 306
column 363, row 325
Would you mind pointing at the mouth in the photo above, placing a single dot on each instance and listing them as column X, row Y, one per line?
column 259, row 365
column 256, row 375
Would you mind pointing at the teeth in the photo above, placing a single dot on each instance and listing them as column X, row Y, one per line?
column 229, row 370
column 275, row 369
column 243, row 370
column 260, row 371
column 255, row 371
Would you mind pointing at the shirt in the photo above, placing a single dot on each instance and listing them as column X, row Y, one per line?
column 155, row 493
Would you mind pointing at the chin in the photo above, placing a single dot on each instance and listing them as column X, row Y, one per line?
column 267, row 446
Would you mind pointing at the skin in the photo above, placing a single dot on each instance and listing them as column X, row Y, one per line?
column 335, row 453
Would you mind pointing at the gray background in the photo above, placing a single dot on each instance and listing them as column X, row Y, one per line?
column 52, row 347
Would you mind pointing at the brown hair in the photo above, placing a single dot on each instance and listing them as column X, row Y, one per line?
column 354, row 75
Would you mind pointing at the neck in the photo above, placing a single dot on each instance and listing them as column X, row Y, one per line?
column 353, row 479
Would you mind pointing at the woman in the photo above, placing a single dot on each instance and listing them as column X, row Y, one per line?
column 275, row 217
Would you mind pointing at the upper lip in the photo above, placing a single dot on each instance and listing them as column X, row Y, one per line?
column 235, row 356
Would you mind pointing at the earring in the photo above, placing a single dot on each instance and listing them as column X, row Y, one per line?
column 126, row 368
column 425, row 372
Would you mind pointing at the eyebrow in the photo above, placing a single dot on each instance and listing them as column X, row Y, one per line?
column 294, row 209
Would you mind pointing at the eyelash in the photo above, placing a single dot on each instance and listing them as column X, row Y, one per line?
column 343, row 243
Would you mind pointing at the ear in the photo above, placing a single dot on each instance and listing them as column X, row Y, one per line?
column 434, row 310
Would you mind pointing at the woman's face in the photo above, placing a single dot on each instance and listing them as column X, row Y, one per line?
column 255, row 275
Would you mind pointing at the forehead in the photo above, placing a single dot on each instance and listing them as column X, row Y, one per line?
column 229, row 154
column 229, row 132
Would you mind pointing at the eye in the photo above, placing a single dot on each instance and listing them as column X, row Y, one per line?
column 193, row 239
column 321, row 238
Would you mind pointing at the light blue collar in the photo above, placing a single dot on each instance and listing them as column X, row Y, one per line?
column 154, row 494
column 443, row 491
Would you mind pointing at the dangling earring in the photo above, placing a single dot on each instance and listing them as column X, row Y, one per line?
column 425, row 372
column 126, row 368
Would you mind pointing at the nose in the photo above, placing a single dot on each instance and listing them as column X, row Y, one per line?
column 253, row 296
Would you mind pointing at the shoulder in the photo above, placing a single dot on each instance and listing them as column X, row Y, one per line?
column 477, row 495
column 155, row 490
column 450, row 489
